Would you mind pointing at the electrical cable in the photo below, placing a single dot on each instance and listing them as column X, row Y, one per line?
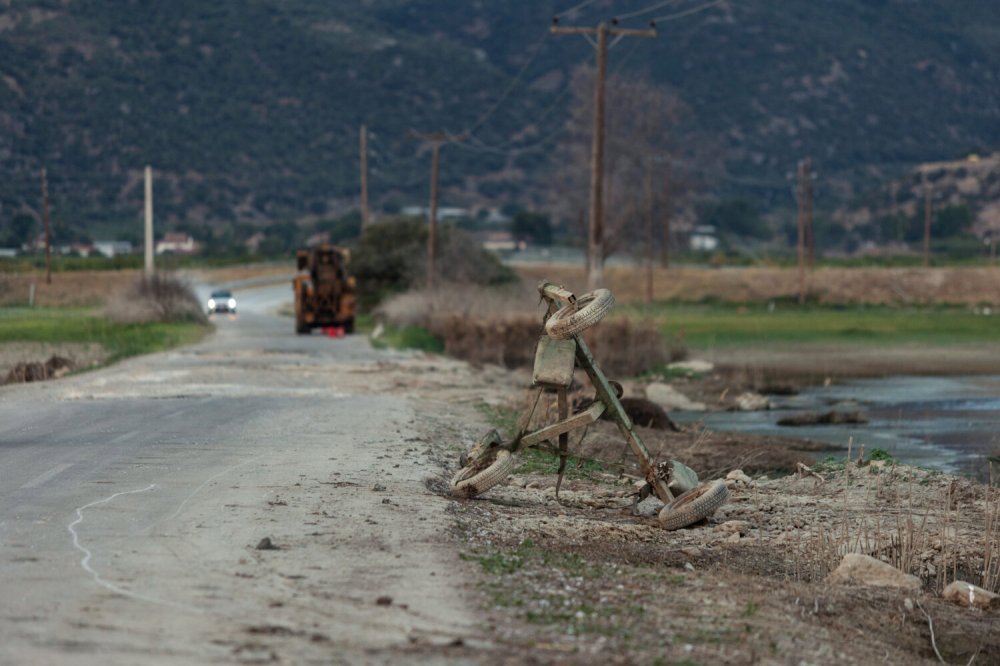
column 513, row 83
column 585, row 3
column 646, row 10
column 687, row 12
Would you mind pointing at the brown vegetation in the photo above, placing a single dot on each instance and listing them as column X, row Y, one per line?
column 494, row 326
column 900, row 286
column 160, row 298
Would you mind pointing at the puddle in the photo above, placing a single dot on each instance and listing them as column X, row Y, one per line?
column 944, row 423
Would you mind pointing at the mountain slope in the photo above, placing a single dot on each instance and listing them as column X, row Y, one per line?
column 250, row 112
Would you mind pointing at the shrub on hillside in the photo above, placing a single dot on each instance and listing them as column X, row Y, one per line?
column 392, row 258
column 160, row 298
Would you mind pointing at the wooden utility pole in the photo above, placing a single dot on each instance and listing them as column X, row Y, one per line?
column 803, row 178
column 45, row 221
column 665, row 250
column 927, row 223
column 648, row 191
column 148, row 271
column 364, row 179
column 595, row 245
column 436, row 139
column 810, row 243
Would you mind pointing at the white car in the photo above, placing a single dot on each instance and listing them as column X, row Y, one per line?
column 221, row 301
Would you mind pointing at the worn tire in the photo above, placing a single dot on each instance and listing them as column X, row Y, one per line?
column 475, row 479
column 571, row 319
column 694, row 505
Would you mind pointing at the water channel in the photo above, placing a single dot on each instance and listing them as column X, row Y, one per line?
column 945, row 423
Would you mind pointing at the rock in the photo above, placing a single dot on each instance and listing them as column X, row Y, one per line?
column 738, row 478
column 649, row 507
column 645, row 413
column 738, row 527
column 971, row 596
column 733, row 538
column 384, row 601
column 752, row 402
column 267, row 544
column 826, row 418
column 378, row 488
column 858, row 569
column 691, row 551
column 694, row 365
column 669, row 398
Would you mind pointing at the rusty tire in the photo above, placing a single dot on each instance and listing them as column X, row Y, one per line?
column 483, row 473
column 571, row 319
column 694, row 505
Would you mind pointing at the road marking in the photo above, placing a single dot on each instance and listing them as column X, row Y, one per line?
column 85, row 561
column 42, row 478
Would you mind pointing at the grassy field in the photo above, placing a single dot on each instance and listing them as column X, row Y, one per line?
column 68, row 325
column 715, row 325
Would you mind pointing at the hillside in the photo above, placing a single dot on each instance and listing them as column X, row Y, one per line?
column 251, row 114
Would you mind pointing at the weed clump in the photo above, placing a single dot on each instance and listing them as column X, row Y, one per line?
column 160, row 298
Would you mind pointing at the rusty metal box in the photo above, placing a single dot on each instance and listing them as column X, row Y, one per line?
column 554, row 361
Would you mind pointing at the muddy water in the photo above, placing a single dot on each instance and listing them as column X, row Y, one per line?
column 945, row 423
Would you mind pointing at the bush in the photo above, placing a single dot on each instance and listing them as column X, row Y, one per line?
column 392, row 258
column 161, row 298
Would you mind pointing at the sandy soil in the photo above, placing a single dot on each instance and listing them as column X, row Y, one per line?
column 580, row 579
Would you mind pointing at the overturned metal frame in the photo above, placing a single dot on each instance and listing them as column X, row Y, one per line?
column 607, row 401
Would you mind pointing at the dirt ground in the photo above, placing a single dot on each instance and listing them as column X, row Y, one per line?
column 580, row 579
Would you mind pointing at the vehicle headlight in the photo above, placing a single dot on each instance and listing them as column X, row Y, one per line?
column 211, row 302
column 232, row 303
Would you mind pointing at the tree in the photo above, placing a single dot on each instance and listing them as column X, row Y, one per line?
column 533, row 227
column 641, row 122
column 19, row 231
column 735, row 217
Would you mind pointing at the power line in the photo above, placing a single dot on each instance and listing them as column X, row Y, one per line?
column 510, row 87
column 586, row 3
column 646, row 10
column 687, row 12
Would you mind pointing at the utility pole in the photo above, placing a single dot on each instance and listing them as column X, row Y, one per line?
column 927, row 223
column 665, row 250
column 648, row 191
column 45, row 220
column 148, row 272
column 595, row 245
column 364, row 179
column 803, row 178
column 810, row 242
column 437, row 139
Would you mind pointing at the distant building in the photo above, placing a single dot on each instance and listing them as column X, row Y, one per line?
column 502, row 241
column 111, row 248
column 8, row 252
column 82, row 249
column 704, row 238
column 443, row 212
column 176, row 243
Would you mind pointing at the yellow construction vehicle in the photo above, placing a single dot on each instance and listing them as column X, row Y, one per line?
column 324, row 292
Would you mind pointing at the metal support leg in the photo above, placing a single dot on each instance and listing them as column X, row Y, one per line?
column 606, row 394
column 563, row 438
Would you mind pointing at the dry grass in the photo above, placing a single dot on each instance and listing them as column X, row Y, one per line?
column 161, row 298
column 909, row 286
column 502, row 326
column 70, row 289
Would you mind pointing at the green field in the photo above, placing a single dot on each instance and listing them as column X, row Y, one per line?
column 63, row 325
column 714, row 325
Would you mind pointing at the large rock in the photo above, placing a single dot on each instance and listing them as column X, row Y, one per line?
column 694, row 365
column 858, row 569
column 669, row 398
column 752, row 402
column 967, row 594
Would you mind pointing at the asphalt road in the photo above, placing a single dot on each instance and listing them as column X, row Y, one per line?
column 133, row 499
